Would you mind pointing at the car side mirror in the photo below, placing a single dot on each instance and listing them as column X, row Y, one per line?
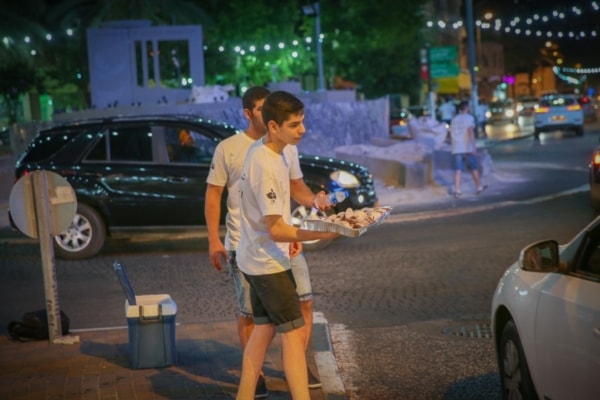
column 540, row 257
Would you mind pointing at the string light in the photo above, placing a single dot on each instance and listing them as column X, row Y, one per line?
column 522, row 25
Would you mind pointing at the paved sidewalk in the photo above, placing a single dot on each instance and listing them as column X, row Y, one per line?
column 98, row 367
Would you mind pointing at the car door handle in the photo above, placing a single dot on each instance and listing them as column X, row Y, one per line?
column 597, row 332
column 177, row 179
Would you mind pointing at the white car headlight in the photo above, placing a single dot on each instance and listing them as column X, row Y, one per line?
column 345, row 179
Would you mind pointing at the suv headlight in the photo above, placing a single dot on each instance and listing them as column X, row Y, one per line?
column 345, row 179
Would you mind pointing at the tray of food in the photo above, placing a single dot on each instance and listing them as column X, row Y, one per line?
column 351, row 222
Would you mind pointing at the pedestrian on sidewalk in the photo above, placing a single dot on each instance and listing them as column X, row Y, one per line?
column 464, row 148
column 263, row 250
column 225, row 172
column 447, row 110
column 481, row 113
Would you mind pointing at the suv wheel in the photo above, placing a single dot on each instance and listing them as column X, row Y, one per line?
column 579, row 131
column 84, row 238
column 299, row 214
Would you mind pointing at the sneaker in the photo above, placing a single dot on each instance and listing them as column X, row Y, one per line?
column 481, row 189
column 261, row 391
column 313, row 381
column 457, row 194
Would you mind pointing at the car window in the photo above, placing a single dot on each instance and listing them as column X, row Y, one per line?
column 189, row 146
column 46, row 145
column 557, row 101
column 592, row 264
column 130, row 143
column 589, row 257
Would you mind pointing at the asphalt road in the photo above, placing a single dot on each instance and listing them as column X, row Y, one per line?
column 402, row 301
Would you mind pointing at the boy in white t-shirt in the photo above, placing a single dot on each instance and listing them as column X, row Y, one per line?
column 225, row 171
column 263, row 250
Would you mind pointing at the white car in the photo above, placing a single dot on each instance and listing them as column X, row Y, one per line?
column 558, row 112
column 546, row 320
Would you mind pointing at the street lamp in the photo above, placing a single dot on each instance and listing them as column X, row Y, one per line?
column 312, row 10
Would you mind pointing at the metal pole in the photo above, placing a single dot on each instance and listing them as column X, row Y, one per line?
column 43, row 213
column 471, row 55
column 430, row 102
column 319, row 47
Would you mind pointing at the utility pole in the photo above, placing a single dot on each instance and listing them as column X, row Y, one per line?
column 471, row 55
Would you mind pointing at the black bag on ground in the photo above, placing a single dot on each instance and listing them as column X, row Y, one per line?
column 34, row 326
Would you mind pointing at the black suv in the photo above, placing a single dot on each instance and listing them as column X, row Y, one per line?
column 134, row 173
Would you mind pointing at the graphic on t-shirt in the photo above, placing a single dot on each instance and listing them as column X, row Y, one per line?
column 271, row 195
column 212, row 165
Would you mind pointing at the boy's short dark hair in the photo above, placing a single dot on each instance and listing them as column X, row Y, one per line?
column 279, row 105
column 463, row 105
column 252, row 95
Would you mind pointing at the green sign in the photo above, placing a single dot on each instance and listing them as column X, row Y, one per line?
column 443, row 62
column 444, row 70
column 443, row 54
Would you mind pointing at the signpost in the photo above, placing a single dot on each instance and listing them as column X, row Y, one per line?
column 436, row 63
column 42, row 204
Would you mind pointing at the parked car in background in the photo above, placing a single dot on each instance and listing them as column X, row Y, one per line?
column 502, row 111
column 526, row 106
column 590, row 107
column 546, row 320
column 558, row 112
column 149, row 173
column 399, row 123
column 594, row 179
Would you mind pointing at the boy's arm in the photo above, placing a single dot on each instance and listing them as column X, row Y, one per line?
column 212, row 213
column 279, row 231
column 301, row 193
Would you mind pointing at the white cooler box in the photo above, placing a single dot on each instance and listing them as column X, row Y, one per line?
column 151, row 324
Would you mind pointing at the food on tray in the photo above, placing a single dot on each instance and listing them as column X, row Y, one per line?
column 351, row 223
column 356, row 219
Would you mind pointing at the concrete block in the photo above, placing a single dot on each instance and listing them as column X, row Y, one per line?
column 410, row 175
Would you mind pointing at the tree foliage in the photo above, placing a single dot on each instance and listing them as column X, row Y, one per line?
column 373, row 43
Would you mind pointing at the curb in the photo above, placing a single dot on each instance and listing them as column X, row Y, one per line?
column 325, row 359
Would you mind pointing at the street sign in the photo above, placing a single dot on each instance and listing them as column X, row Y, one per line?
column 443, row 62
column 444, row 70
column 443, row 54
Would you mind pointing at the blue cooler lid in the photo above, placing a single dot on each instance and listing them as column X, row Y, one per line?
column 124, row 281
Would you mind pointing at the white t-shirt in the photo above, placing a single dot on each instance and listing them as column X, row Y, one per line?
column 225, row 171
column 264, row 190
column 459, row 133
column 447, row 111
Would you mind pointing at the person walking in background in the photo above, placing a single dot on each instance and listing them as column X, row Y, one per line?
column 464, row 148
column 447, row 110
column 481, row 111
column 225, row 172
column 263, row 250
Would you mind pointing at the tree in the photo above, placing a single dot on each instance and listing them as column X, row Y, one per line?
column 18, row 77
column 259, row 24
column 17, row 69
column 375, row 43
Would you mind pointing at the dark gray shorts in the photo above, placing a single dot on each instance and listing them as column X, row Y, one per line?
column 275, row 301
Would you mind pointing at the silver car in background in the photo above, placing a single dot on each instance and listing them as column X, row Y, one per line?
column 558, row 112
